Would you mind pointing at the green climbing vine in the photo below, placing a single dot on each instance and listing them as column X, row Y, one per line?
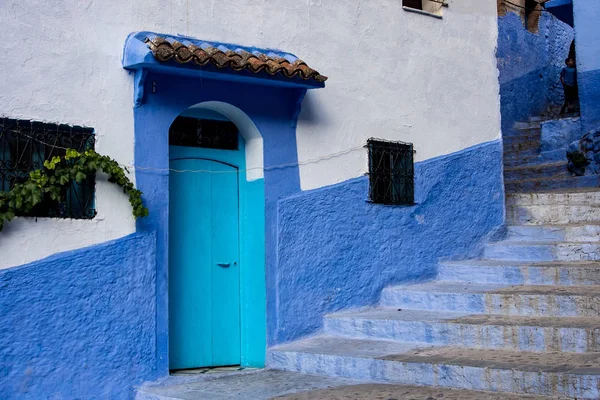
column 57, row 174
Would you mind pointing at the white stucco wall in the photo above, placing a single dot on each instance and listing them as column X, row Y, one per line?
column 404, row 76
column 393, row 74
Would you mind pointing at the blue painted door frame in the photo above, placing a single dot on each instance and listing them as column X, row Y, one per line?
column 274, row 111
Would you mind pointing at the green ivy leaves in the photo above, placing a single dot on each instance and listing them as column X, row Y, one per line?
column 58, row 173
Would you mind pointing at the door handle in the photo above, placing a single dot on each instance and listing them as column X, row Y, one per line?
column 224, row 265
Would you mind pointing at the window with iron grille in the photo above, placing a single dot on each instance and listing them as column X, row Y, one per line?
column 391, row 172
column 25, row 145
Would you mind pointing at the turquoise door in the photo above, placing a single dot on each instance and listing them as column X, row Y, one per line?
column 204, row 273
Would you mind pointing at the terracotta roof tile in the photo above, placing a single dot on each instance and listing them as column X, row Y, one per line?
column 237, row 60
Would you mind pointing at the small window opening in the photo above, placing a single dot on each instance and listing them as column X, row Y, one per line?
column 432, row 7
column 211, row 134
column 416, row 4
column 25, row 145
column 391, row 172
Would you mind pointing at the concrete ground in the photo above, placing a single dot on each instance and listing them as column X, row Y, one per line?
column 266, row 385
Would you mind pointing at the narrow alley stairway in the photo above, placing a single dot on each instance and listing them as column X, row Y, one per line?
column 523, row 318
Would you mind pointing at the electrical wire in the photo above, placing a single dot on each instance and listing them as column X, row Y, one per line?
column 269, row 168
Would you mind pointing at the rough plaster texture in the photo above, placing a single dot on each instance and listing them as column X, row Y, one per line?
column 587, row 41
column 81, row 324
column 338, row 251
column 558, row 134
column 530, row 65
column 586, row 14
column 61, row 63
column 589, row 92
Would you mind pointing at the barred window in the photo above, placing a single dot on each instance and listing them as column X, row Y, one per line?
column 391, row 172
column 25, row 145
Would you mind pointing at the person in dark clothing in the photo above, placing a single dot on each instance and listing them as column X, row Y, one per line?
column 568, row 78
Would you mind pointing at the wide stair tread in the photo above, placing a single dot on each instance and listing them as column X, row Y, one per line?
column 484, row 288
column 464, row 318
column 555, row 250
column 533, row 170
column 535, row 166
column 555, row 196
column 560, row 182
column 496, row 298
column 483, row 262
column 451, row 328
column 553, row 374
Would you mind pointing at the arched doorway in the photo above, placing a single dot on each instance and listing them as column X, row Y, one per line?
column 211, row 201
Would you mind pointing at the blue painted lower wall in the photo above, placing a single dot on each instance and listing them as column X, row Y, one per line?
column 80, row 324
column 338, row 251
column 589, row 93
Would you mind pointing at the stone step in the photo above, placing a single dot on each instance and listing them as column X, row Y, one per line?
column 520, row 154
column 474, row 298
column 516, row 158
column 542, row 251
column 589, row 196
column 551, row 374
column 370, row 391
column 527, row 125
column 523, row 134
column 538, row 334
column 577, row 273
column 535, row 171
column 559, row 182
column 552, row 214
column 567, row 232
column 522, row 144
column 284, row 385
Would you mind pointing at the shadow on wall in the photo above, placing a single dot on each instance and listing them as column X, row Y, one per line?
column 338, row 251
column 80, row 324
column 312, row 114
column 530, row 65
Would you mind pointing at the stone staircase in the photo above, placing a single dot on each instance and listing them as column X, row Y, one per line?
column 524, row 318
column 530, row 166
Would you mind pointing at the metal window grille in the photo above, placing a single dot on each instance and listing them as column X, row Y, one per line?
column 391, row 172
column 25, row 145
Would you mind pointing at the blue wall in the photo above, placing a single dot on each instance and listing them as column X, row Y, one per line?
column 338, row 251
column 589, row 93
column 530, row 66
column 587, row 40
column 80, row 324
